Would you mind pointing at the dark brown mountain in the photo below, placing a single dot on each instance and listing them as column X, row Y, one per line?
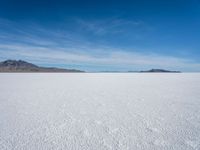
column 23, row 66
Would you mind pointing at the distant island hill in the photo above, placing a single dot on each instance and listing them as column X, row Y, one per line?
column 23, row 66
column 160, row 70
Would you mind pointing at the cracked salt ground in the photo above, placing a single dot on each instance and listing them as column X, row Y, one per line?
column 100, row 111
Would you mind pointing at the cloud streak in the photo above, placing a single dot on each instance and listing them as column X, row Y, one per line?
column 108, row 26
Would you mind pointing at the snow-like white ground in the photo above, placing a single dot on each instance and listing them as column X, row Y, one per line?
column 99, row 111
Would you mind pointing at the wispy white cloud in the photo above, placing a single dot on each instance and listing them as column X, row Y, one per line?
column 108, row 26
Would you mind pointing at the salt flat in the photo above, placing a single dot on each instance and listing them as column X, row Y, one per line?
column 99, row 111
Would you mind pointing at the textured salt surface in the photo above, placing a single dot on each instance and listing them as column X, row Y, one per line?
column 91, row 111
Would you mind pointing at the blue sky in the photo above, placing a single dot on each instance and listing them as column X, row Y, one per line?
column 100, row 35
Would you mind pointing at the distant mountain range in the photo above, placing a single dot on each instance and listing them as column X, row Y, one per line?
column 160, row 70
column 147, row 71
column 23, row 66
